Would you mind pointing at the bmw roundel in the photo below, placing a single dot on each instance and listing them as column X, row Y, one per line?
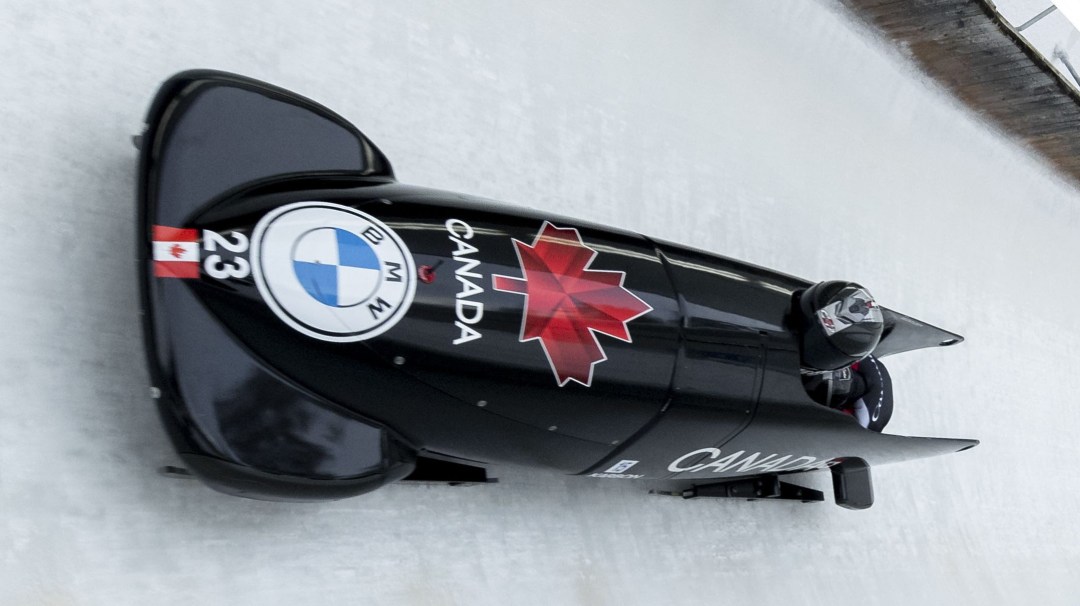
column 331, row 271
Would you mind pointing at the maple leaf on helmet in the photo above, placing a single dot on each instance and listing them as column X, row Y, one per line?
column 566, row 303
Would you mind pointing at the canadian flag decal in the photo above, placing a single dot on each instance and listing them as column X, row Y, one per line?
column 567, row 304
column 176, row 252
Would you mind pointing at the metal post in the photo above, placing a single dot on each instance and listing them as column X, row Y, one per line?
column 1060, row 54
column 1035, row 19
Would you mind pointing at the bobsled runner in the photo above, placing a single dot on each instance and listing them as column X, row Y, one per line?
column 316, row 330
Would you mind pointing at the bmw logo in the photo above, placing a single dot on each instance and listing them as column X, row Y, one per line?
column 331, row 271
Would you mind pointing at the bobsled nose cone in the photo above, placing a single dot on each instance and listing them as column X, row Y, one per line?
column 209, row 132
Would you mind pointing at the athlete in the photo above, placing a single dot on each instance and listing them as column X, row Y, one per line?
column 863, row 390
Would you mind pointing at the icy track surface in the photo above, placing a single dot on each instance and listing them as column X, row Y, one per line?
column 776, row 134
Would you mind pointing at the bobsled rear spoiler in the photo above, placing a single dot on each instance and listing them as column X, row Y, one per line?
column 904, row 333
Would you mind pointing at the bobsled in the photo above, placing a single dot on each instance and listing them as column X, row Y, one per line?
column 317, row 330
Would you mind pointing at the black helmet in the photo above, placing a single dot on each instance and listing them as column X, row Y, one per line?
column 841, row 324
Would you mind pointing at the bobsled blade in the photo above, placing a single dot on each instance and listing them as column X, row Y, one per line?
column 208, row 132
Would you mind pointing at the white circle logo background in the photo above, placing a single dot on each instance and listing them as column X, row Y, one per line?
column 272, row 266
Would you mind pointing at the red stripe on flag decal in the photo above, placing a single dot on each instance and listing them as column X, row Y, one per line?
column 178, row 269
column 174, row 234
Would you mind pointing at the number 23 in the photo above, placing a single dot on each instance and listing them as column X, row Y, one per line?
column 214, row 266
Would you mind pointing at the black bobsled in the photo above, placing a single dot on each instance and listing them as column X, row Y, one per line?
column 316, row 329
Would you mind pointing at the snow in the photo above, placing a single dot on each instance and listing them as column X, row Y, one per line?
column 777, row 134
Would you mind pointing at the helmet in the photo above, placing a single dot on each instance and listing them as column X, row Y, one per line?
column 840, row 324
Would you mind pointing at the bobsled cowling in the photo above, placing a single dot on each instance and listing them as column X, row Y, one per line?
column 315, row 329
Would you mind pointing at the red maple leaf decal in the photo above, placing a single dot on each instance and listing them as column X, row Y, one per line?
column 566, row 303
column 177, row 251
